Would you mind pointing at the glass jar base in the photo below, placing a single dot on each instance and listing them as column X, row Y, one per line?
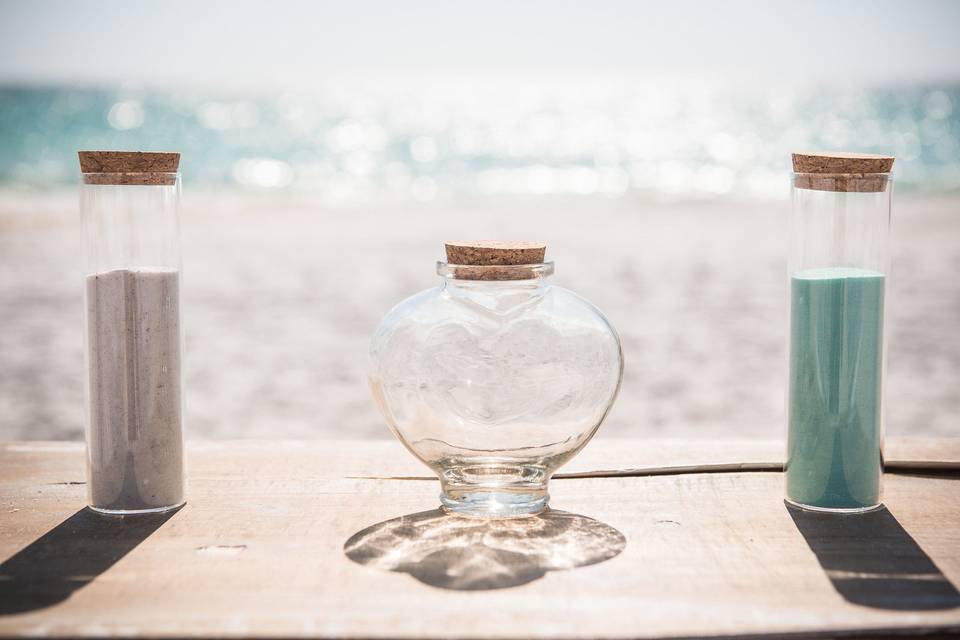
column 134, row 512
column 837, row 510
column 493, row 503
column 494, row 488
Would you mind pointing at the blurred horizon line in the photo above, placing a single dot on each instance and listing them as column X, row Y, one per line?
column 393, row 81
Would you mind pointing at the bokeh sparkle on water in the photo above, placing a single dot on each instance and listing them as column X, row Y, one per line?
column 357, row 141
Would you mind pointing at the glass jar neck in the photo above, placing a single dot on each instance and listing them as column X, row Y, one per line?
column 493, row 287
column 499, row 296
column 500, row 273
column 499, row 288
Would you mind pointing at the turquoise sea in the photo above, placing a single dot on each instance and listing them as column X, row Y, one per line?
column 606, row 136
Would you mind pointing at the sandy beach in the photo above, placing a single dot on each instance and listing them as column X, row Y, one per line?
column 282, row 292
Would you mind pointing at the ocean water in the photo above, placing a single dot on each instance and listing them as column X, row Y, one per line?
column 608, row 136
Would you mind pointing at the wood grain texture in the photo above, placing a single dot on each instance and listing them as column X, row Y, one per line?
column 259, row 551
column 388, row 459
column 617, row 456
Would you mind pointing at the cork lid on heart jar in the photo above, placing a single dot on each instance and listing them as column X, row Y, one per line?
column 496, row 260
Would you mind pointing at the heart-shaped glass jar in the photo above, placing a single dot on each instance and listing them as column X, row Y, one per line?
column 495, row 378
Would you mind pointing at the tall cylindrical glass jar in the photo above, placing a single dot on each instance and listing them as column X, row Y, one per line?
column 134, row 400
column 838, row 267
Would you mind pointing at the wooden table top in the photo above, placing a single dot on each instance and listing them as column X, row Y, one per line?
column 648, row 538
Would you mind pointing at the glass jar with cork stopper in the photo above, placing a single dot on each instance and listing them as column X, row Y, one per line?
column 495, row 378
column 838, row 267
column 134, row 419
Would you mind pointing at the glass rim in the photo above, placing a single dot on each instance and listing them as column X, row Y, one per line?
column 888, row 174
column 495, row 273
column 842, row 182
column 131, row 178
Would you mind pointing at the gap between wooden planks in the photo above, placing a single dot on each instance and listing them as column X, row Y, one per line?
column 899, row 466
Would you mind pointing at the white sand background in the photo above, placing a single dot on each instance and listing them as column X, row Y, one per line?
column 281, row 294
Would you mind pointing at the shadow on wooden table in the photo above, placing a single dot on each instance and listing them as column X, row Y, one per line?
column 457, row 552
column 872, row 561
column 70, row 556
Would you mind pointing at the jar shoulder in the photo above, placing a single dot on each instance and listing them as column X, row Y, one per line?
column 556, row 308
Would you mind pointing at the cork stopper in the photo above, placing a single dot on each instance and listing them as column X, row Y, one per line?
column 129, row 167
column 495, row 260
column 849, row 172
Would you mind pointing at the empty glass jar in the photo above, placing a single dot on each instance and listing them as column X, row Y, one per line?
column 495, row 378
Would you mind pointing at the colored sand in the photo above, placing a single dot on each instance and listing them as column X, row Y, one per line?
column 836, row 363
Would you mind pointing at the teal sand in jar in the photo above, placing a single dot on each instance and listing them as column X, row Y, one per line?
column 838, row 262
column 495, row 378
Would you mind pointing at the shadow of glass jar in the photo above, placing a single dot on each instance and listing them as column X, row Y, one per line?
column 452, row 551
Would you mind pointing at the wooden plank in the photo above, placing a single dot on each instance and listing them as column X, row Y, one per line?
column 259, row 552
column 388, row 458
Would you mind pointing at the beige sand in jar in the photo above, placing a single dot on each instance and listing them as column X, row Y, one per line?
column 135, row 455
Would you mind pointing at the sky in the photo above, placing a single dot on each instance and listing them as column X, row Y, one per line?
column 298, row 43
